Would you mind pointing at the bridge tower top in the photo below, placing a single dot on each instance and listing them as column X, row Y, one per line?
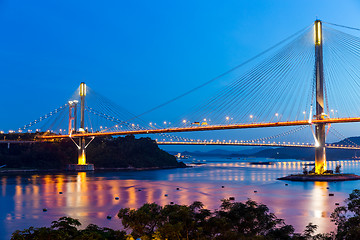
column 72, row 116
column 318, row 32
column 82, row 94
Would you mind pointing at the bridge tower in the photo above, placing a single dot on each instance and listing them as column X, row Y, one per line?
column 82, row 155
column 82, row 165
column 320, row 152
column 72, row 116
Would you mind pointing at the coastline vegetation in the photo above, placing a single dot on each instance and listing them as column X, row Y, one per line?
column 234, row 220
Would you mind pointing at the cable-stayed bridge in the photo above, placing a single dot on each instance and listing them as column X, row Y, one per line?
column 308, row 82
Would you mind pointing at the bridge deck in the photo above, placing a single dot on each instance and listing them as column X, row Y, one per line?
column 207, row 128
column 256, row 144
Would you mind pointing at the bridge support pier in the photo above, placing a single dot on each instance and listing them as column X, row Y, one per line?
column 320, row 150
column 82, row 155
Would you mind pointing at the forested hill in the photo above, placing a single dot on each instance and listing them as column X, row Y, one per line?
column 108, row 152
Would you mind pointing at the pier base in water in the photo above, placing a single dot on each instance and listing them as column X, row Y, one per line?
column 321, row 177
column 80, row 167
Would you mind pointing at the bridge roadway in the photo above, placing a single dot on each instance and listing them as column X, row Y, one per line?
column 206, row 128
column 256, row 144
column 17, row 141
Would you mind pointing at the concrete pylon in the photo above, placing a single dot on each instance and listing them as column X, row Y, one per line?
column 320, row 149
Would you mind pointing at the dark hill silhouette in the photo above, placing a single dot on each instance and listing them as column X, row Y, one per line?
column 108, row 152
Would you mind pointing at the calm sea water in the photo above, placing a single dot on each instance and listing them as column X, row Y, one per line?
column 90, row 197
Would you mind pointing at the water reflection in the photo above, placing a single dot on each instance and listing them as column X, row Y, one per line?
column 92, row 196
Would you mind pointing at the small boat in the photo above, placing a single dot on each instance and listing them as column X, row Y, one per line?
column 198, row 162
column 309, row 164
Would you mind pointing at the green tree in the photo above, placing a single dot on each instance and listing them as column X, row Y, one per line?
column 347, row 218
column 249, row 220
column 234, row 220
column 183, row 222
column 66, row 229
column 143, row 221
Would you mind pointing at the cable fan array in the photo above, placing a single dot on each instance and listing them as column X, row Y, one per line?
column 57, row 118
column 281, row 87
column 341, row 70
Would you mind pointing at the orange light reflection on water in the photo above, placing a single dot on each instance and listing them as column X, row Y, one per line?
column 91, row 197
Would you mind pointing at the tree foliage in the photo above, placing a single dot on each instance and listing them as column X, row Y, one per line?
column 66, row 228
column 234, row 220
column 347, row 218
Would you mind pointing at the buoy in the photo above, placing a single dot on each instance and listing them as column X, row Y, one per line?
column 60, row 192
column 44, row 210
column 255, row 191
column 222, row 186
column 232, row 198
column 116, row 198
column 108, row 217
column 331, row 194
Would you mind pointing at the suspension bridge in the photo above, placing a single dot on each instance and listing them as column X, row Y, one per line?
column 292, row 85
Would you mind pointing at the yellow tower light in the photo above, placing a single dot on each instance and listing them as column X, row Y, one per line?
column 317, row 32
column 82, row 158
column 82, row 89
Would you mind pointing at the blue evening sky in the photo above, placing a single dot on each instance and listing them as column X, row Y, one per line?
column 137, row 53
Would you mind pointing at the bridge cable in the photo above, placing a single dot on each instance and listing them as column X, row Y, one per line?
column 221, row 75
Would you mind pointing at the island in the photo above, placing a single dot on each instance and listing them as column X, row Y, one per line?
column 21, row 151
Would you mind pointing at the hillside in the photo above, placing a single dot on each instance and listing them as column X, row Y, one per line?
column 120, row 152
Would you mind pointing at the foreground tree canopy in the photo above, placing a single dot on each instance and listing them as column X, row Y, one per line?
column 233, row 221
column 65, row 229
